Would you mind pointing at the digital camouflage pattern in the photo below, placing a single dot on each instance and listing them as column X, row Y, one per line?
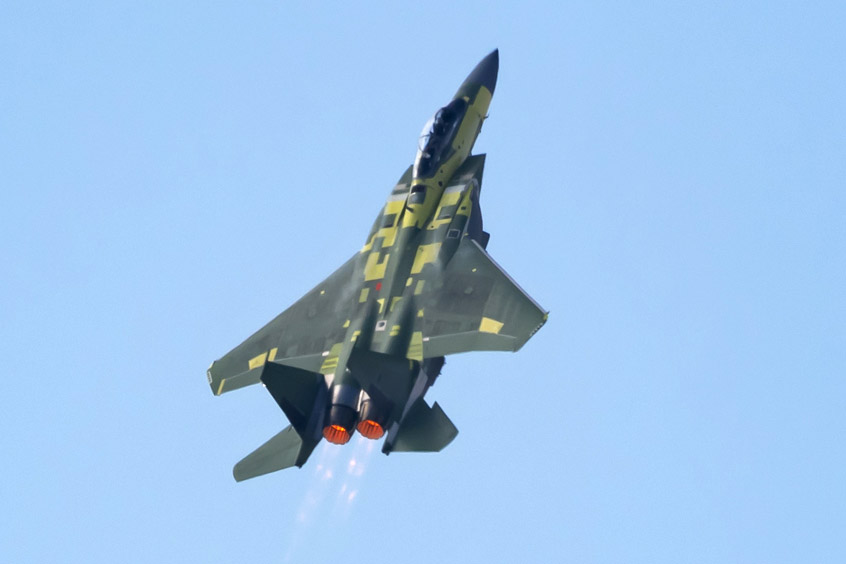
column 365, row 344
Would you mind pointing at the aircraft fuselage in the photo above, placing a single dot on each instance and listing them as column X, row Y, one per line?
column 359, row 351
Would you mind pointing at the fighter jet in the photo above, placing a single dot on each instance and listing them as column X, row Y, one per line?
column 359, row 351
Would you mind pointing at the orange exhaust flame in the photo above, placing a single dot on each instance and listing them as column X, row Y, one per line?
column 336, row 434
column 370, row 429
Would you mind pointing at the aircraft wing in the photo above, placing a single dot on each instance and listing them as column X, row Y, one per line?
column 296, row 337
column 474, row 305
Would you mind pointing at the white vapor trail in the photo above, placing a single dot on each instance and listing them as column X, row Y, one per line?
column 338, row 469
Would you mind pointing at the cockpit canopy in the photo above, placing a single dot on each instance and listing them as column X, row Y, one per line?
column 437, row 135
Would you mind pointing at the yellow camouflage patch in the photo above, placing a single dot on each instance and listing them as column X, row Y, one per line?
column 375, row 270
column 489, row 325
column 331, row 362
column 257, row 361
column 426, row 254
column 415, row 347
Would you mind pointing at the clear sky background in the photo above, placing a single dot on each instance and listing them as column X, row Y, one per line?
column 666, row 178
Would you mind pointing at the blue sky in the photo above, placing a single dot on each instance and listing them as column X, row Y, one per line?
column 667, row 179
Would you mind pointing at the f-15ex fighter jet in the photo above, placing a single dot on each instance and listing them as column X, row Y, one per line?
column 360, row 350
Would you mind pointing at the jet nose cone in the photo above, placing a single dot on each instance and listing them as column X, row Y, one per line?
column 484, row 74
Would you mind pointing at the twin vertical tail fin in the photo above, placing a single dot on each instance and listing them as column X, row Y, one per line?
column 302, row 396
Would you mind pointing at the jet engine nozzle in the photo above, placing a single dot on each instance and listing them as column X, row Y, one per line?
column 340, row 424
column 342, row 413
column 372, row 418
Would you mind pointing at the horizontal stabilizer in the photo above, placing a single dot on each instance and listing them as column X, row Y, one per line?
column 424, row 429
column 283, row 450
